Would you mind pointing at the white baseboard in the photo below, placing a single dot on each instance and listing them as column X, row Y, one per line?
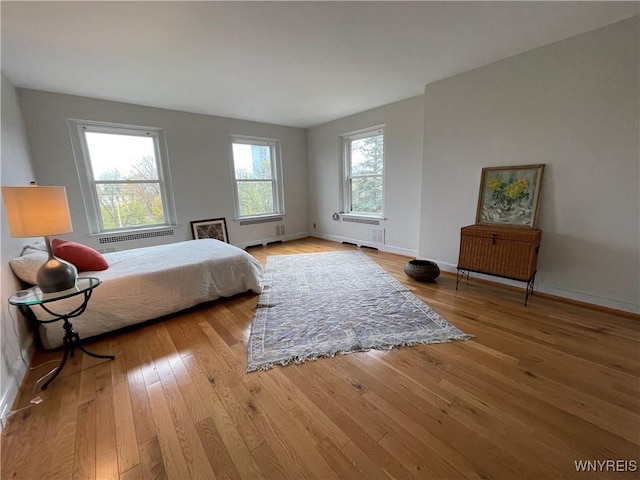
column 12, row 384
column 614, row 304
column 264, row 241
column 384, row 248
column 551, row 290
column 449, row 267
column 11, row 392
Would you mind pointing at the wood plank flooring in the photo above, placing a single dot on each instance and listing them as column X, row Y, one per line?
column 538, row 389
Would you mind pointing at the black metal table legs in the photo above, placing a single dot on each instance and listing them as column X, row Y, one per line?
column 71, row 340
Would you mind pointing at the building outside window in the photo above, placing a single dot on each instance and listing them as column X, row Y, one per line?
column 256, row 175
column 124, row 175
column 363, row 165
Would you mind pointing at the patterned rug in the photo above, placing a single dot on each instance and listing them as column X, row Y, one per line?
column 316, row 305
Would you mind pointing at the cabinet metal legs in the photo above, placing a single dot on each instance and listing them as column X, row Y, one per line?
column 462, row 273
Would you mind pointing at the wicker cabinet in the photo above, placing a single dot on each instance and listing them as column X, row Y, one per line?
column 501, row 251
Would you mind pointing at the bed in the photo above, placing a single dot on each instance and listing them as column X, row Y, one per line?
column 146, row 283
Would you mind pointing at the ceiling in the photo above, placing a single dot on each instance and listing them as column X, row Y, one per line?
column 290, row 63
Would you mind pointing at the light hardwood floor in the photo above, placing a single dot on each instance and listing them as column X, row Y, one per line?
column 537, row 389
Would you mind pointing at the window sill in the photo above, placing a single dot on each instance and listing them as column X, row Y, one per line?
column 361, row 216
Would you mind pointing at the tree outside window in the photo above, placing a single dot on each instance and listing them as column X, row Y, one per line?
column 364, row 159
column 122, row 170
column 126, row 180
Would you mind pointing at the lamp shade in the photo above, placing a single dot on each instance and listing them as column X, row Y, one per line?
column 35, row 211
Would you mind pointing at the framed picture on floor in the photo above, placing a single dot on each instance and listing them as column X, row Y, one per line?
column 509, row 195
column 215, row 228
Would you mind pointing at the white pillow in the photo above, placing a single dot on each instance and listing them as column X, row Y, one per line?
column 34, row 247
column 26, row 266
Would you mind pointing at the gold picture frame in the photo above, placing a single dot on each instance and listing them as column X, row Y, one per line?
column 509, row 196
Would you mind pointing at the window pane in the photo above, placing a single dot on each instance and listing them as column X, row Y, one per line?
column 121, row 157
column 252, row 161
column 255, row 198
column 367, row 155
column 366, row 195
column 130, row 204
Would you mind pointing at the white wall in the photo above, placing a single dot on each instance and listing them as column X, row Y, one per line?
column 15, row 169
column 403, row 136
column 573, row 105
column 198, row 151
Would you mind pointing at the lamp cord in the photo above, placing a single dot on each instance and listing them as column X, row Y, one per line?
column 37, row 399
column 15, row 331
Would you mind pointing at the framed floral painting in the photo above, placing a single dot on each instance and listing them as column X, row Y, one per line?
column 215, row 228
column 509, row 196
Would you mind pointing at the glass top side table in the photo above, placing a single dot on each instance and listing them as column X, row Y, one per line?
column 33, row 297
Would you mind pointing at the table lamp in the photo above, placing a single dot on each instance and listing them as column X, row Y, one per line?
column 34, row 211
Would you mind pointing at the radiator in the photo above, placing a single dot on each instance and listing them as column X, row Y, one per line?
column 134, row 236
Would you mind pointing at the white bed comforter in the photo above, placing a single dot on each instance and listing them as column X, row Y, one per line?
column 147, row 283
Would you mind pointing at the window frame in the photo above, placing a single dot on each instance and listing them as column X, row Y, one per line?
column 347, row 177
column 276, row 175
column 88, row 184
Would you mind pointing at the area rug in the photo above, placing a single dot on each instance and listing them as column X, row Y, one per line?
column 316, row 305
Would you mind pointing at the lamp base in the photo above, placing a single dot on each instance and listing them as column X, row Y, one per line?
column 56, row 275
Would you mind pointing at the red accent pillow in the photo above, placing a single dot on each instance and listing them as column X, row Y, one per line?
column 83, row 257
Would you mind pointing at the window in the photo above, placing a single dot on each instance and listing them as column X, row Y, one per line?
column 123, row 173
column 255, row 173
column 364, row 172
